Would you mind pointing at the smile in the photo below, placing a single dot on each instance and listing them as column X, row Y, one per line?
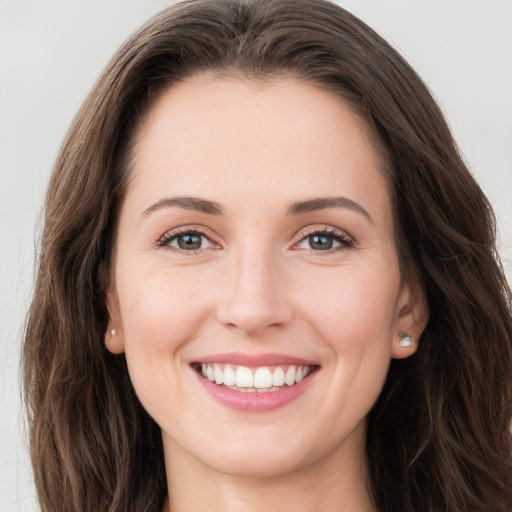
column 263, row 379
column 254, row 384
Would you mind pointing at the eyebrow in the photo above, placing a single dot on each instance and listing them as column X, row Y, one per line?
column 322, row 203
column 212, row 208
column 188, row 203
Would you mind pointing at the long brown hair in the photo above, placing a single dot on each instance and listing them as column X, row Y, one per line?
column 438, row 437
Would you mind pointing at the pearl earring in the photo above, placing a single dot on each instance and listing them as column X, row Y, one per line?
column 406, row 340
column 113, row 331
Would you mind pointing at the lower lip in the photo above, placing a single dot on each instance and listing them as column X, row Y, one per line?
column 255, row 402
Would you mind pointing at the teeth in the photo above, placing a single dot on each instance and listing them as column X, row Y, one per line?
column 261, row 380
column 278, row 377
column 229, row 376
column 244, row 377
column 289, row 378
column 219, row 374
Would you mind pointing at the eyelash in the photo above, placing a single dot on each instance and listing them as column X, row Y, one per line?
column 165, row 240
column 345, row 241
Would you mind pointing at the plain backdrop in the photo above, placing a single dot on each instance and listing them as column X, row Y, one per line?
column 51, row 53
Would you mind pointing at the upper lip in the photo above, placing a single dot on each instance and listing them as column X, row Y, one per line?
column 254, row 360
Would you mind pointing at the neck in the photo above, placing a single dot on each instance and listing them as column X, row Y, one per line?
column 336, row 482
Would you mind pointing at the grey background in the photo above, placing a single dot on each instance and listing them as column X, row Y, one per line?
column 52, row 51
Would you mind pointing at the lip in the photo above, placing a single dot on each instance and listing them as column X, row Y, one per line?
column 254, row 360
column 255, row 402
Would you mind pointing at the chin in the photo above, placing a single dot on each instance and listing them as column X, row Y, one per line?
column 261, row 464
column 259, row 454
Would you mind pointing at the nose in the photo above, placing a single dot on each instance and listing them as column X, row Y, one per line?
column 254, row 296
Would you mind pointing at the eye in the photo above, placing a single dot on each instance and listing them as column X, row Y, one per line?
column 325, row 240
column 189, row 241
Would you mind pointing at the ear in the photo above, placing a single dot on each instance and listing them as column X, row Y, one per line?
column 114, row 341
column 412, row 318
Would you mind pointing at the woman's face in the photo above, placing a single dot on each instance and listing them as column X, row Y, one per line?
column 255, row 246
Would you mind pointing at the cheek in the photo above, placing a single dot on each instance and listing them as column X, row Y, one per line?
column 160, row 311
column 352, row 307
column 158, row 308
column 354, row 314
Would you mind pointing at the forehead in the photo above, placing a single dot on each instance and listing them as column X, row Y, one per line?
column 213, row 136
column 280, row 102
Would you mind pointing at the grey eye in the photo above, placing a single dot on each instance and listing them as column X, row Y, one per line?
column 190, row 242
column 320, row 242
column 325, row 241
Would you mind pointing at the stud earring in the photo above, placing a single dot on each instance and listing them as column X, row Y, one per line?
column 406, row 340
column 113, row 331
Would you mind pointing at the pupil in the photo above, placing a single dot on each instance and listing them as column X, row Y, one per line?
column 189, row 242
column 321, row 242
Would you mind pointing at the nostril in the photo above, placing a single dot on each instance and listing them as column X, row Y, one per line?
column 251, row 319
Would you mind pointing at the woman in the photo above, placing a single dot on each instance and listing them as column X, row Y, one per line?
column 267, row 281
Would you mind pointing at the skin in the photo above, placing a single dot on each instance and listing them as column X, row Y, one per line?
column 256, row 286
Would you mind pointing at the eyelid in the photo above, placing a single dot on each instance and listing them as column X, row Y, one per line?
column 197, row 229
column 322, row 228
column 340, row 235
column 346, row 241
